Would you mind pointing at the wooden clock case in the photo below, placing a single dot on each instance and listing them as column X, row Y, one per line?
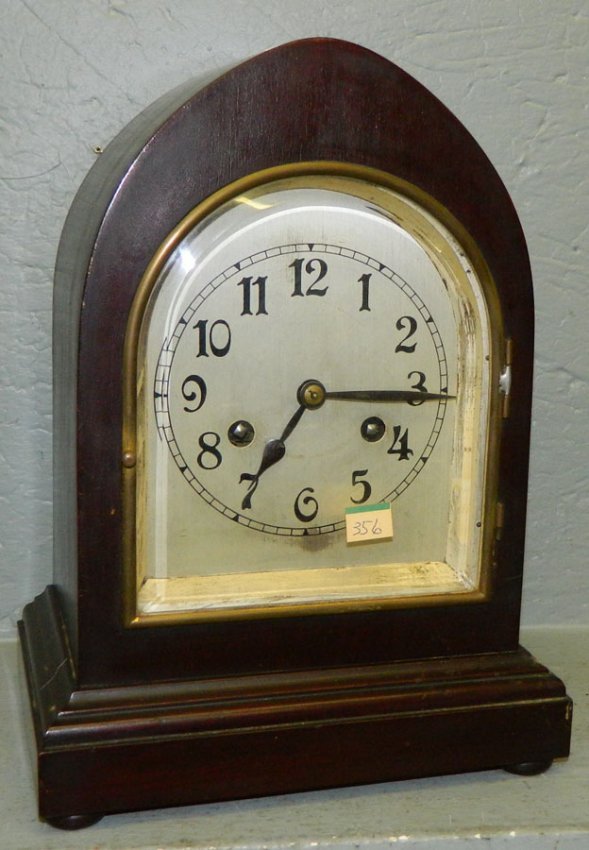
column 130, row 718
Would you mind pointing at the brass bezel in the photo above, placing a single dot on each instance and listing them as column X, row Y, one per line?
column 498, row 346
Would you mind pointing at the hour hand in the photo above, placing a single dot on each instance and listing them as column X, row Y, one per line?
column 274, row 450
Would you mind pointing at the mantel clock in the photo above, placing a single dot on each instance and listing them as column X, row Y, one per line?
column 293, row 371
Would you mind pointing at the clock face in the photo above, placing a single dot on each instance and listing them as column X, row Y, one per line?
column 313, row 345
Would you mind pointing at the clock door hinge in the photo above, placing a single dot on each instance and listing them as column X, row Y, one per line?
column 505, row 378
column 499, row 519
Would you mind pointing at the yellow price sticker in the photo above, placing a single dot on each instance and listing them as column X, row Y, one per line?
column 368, row 523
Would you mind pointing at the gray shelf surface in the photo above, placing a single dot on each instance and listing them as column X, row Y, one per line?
column 492, row 809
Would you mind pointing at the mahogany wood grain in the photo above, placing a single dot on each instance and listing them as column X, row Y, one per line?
column 318, row 99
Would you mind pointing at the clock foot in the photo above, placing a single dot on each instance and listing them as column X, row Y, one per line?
column 529, row 768
column 72, row 822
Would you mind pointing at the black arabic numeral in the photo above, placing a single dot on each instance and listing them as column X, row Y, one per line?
column 308, row 502
column 209, row 447
column 315, row 266
column 367, row 489
column 217, row 338
column 404, row 323
column 365, row 281
column 400, row 445
column 418, row 385
column 189, row 392
column 248, row 285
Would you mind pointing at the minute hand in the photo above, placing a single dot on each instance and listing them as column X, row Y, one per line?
column 383, row 395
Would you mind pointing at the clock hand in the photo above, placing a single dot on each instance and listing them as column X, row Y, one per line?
column 274, row 450
column 383, row 395
column 313, row 394
column 293, row 421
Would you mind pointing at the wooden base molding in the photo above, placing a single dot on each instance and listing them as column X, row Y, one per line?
column 109, row 750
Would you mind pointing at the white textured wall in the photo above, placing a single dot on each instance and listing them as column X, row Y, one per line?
column 74, row 72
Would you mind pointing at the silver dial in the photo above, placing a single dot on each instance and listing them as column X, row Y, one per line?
column 313, row 345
